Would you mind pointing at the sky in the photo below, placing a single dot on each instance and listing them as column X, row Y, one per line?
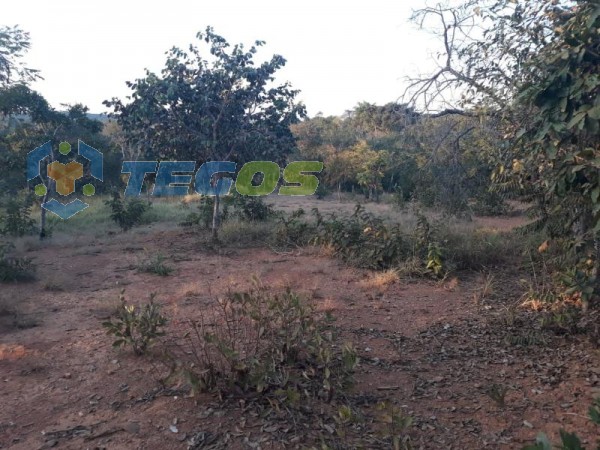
column 338, row 53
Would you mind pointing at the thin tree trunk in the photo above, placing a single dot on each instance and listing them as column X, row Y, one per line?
column 43, row 219
column 43, row 212
column 215, row 221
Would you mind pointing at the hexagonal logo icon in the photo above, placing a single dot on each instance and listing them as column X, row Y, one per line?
column 64, row 176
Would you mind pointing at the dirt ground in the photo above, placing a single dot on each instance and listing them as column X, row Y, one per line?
column 435, row 349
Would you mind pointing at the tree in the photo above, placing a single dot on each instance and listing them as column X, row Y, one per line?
column 41, row 123
column 374, row 121
column 14, row 43
column 217, row 108
column 536, row 68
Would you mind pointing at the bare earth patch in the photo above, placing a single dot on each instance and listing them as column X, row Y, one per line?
column 427, row 346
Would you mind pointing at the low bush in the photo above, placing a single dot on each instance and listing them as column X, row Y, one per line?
column 14, row 268
column 17, row 219
column 127, row 214
column 155, row 264
column 293, row 231
column 263, row 342
column 203, row 216
column 136, row 326
column 363, row 239
column 250, row 208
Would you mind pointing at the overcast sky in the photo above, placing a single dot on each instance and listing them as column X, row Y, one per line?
column 339, row 52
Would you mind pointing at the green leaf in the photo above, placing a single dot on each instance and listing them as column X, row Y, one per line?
column 541, row 443
column 576, row 119
column 570, row 441
column 596, row 194
column 594, row 113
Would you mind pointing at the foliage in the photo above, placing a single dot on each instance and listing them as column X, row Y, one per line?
column 243, row 207
column 13, row 268
column 14, row 43
column 264, row 342
column 439, row 161
column 490, row 202
column 434, row 259
column 569, row 441
column 397, row 425
column 211, row 105
column 250, row 208
column 365, row 240
column 534, row 71
column 292, row 231
column 559, row 148
column 322, row 191
column 126, row 214
column 17, row 220
column 137, row 327
column 362, row 239
column 203, row 217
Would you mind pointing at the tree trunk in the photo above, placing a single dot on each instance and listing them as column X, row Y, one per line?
column 43, row 211
column 596, row 270
column 43, row 219
column 215, row 220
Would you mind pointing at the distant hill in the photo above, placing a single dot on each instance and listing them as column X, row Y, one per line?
column 101, row 117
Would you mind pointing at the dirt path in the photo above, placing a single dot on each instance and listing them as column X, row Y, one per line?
column 427, row 346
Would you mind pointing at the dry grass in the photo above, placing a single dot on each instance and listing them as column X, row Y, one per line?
column 381, row 280
column 246, row 234
column 486, row 289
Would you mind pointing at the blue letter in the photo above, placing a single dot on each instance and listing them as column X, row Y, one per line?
column 138, row 170
column 205, row 174
column 163, row 187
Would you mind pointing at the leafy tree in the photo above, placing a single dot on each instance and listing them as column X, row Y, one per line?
column 216, row 105
column 14, row 43
column 374, row 121
column 535, row 68
column 321, row 136
column 371, row 167
column 41, row 124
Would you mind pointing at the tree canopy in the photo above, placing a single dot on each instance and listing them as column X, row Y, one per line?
column 211, row 104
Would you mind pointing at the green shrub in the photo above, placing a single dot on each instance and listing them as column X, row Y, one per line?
column 17, row 220
column 14, row 268
column 203, row 217
column 363, row 239
column 490, row 203
column 264, row 342
column 293, row 231
column 472, row 249
column 322, row 191
column 136, row 326
column 126, row 214
column 249, row 208
column 245, row 208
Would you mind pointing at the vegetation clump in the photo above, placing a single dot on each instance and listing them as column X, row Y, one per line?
column 126, row 214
